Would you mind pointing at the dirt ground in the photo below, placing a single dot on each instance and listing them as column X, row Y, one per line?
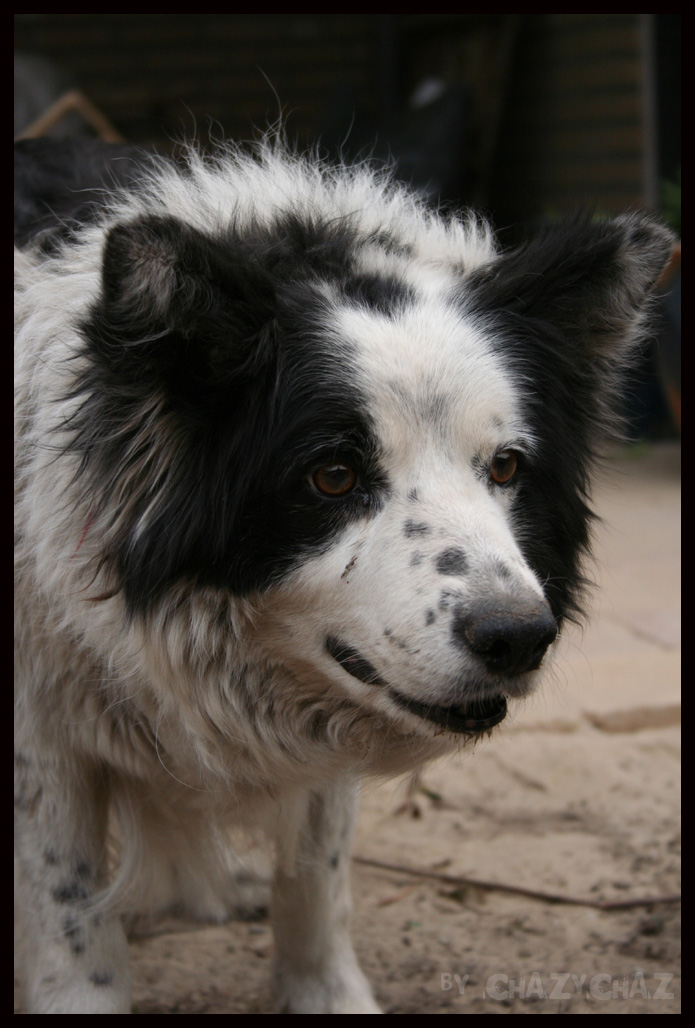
column 576, row 795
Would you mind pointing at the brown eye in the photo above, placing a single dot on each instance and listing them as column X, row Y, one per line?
column 334, row 479
column 504, row 466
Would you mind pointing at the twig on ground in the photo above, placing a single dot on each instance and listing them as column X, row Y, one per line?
column 520, row 890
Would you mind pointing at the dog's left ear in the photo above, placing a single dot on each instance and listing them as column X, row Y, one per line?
column 589, row 280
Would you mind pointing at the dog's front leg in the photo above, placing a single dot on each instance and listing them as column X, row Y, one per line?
column 75, row 958
column 316, row 970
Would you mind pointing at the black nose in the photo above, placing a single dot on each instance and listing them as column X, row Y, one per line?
column 509, row 640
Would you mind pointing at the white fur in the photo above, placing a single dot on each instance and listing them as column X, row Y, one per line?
column 212, row 710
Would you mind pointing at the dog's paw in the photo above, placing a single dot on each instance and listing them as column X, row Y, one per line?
column 248, row 897
column 245, row 897
column 345, row 991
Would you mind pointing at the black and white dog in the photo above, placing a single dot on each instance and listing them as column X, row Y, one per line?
column 302, row 497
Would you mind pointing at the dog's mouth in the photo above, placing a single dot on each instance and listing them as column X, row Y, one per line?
column 467, row 719
column 472, row 718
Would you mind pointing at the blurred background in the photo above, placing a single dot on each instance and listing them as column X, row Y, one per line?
column 523, row 116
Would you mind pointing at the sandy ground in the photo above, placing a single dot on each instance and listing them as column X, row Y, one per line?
column 577, row 795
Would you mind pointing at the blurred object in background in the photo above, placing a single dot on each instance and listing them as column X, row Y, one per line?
column 68, row 112
column 424, row 140
column 444, row 82
column 38, row 84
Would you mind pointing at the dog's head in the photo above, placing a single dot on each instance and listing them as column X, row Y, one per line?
column 385, row 445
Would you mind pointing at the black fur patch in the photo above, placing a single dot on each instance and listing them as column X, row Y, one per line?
column 75, row 887
column 225, row 343
column 71, row 890
column 451, row 562
column 411, row 529
column 382, row 294
column 559, row 309
column 74, row 933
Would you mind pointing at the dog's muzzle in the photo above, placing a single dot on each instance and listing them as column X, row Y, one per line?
column 470, row 719
column 508, row 642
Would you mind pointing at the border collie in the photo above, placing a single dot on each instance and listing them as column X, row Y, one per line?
column 302, row 498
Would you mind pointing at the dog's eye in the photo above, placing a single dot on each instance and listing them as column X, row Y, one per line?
column 504, row 466
column 334, row 479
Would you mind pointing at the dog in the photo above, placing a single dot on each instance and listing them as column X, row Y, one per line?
column 302, row 497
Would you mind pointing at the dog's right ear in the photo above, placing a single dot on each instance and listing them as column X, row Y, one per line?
column 174, row 297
